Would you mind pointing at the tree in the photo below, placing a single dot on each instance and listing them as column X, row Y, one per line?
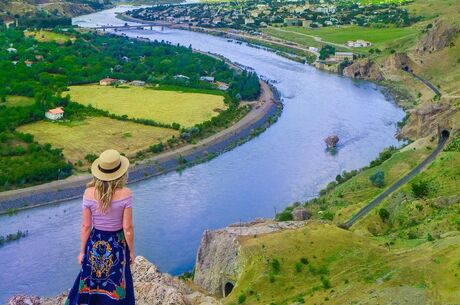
column 384, row 215
column 378, row 179
column 421, row 188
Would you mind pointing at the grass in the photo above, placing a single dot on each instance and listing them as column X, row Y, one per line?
column 344, row 268
column 19, row 101
column 340, row 35
column 47, row 36
column 96, row 134
column 165, row 106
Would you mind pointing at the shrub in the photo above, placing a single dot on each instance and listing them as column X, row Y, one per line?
column 328, row 215
column 421, row 188
column 298, row 267
column 286, row 215
column 304, row 260
column 378, row 179
column 241, row 298
column 384, row 214
column 326, row 283
column 275, row 266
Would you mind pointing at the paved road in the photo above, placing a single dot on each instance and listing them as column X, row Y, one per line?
column 397, row 184
column 427, row 83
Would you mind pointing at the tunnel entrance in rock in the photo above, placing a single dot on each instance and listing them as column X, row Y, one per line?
column 228, row 288
column 445, row 134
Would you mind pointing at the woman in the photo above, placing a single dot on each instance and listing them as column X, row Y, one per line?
column 107, row 235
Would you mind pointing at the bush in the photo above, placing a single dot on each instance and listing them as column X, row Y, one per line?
column 384, row 215
column 328, row 215
column 326, row 283
column 378, row 179
column 275, row 266
column 286, row 215
column 298, row 267
column 241, row 298
column 304, row 260
column 421, row 188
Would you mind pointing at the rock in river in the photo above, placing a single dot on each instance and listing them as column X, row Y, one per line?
column 332, row 141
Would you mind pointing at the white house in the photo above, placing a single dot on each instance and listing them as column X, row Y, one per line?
column 209, row 79
column 55, row 114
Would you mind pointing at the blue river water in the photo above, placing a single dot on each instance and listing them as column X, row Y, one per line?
column 286, row 163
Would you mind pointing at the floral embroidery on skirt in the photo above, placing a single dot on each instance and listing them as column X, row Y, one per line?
column 105, row 276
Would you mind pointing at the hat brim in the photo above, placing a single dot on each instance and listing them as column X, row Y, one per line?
column 110, row 176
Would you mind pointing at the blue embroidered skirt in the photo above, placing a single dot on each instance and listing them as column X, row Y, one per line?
column 105, row 275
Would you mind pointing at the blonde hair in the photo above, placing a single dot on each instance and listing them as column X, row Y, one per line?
column 104, row 191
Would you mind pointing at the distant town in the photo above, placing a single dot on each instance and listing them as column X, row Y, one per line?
column 251, row 16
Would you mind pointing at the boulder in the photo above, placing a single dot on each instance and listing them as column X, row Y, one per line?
column 332, row 141
column 300, row 213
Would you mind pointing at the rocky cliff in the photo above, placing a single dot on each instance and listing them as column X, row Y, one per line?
column 218, row 263
column 439, row 36
column 151, row 288
column 364, row 68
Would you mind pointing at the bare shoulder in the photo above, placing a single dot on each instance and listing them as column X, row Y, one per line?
column 89, row 193
column 123, row 193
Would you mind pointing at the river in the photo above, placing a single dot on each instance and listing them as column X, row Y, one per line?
column 286, row 163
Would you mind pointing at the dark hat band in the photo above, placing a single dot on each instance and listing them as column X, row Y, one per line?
column 109, row 171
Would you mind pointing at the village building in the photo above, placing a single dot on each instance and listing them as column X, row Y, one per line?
column 107, row 81
column 12, row 50
column 28, row 63
column 358, row 43
column 55, row 114
column 139, row 83
column 180, row 76
column 222, row 86
column 209, row 79
column 39, row 57
column 340, row 56
column 248, row 21
column 306, row 23
column 291, row 21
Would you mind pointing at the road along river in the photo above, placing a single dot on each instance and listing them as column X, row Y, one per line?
column 286, row 163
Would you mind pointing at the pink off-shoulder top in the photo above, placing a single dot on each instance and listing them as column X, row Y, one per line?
column 112, row 220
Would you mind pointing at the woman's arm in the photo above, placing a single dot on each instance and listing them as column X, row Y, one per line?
column 128, row 229
column 85, row 231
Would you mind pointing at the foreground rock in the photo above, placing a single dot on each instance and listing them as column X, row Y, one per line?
column 217, row 263
column 151, row 288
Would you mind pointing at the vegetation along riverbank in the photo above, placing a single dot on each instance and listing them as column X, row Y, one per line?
column 38, row 83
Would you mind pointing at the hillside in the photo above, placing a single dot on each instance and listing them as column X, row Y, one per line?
column 70, row 8
column 406, row 250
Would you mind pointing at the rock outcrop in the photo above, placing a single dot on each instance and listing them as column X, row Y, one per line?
column 399, row 61
column 217, row 261
column 331, row 141
column 364, row 69
column 151, row 288
column 300, row 213
column 437, row 38
column 425, row 120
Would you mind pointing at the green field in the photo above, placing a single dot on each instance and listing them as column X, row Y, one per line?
column 96, row 134
column 323, row 264
column 46, row 36
column 165, row 106
column 378, row 37
column 18, row 101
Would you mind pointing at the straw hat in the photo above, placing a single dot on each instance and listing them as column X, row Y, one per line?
column 110, row 165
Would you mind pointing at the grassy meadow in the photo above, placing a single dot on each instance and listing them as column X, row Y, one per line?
column 340, row 35
column 96, row 134
column 323, row 264
column 47, row 36
column 164, row 106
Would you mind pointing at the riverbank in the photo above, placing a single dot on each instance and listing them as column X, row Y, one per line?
column 263, row 113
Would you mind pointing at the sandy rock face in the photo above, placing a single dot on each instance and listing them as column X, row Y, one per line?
column 151, row 287
column 218, row 262
column 399, row 61
column 437, row 38
column 364, row 69
column 425, row 120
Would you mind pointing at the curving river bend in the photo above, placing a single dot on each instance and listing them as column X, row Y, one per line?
column 284, row 164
